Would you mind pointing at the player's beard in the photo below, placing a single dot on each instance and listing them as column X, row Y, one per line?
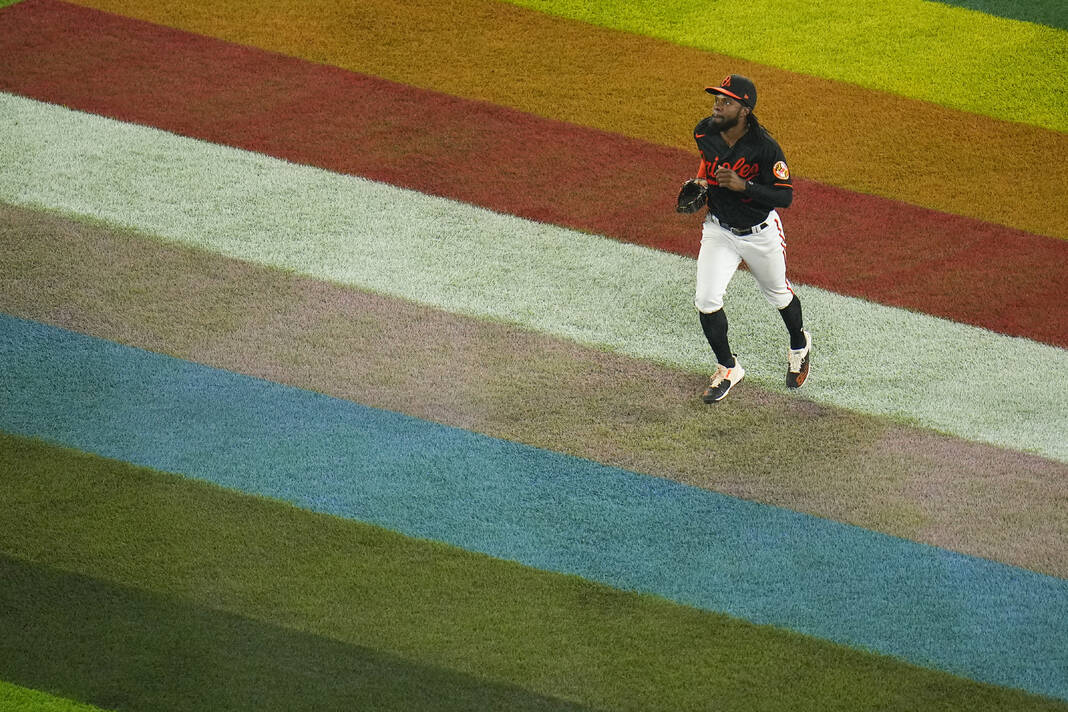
column 723, row 124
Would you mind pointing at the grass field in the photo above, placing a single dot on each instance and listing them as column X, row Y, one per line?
column 257, row 624
column 326, row 386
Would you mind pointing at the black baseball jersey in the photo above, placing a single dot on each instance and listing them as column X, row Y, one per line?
column 759, row 160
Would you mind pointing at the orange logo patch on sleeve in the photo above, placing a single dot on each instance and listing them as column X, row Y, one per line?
column 781, row 171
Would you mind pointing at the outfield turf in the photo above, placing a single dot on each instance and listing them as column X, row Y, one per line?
column 519, row 385
column 375, row 407
column 20, row 699
column 849, row 243
column 395, row 622
column 629, row 84
column 1047, row 12
column 598, row 292
column 834, row 39
column 771, row 566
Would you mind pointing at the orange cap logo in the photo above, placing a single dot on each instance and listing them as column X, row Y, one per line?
column 726, row 81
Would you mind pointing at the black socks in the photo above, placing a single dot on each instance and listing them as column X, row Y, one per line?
column 715, row 327
column 791, row 316
column 714, row 324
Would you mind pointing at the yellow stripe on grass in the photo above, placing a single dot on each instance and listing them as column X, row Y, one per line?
column 959, row 58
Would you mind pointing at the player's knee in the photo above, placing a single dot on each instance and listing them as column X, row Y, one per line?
column 708, row 304
column 779, row 299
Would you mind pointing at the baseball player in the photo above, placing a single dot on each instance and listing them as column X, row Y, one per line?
column 744, row 178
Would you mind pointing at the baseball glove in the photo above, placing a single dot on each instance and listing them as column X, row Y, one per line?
column 692, row 197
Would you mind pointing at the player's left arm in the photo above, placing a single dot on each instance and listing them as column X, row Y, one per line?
column 776, row 195
column 772, row 187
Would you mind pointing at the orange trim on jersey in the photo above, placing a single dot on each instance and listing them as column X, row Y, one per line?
column 783, row 185
column 702, row 170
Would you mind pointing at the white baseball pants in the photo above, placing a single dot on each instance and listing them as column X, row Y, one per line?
column 722, row 251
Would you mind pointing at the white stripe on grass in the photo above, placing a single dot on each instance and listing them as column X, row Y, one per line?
column 958, row 379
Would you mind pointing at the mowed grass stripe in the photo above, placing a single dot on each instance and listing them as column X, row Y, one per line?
column 201, row 87
column 519, row 385
column 596, row 291
column 890, row 47
column 218, row 566
column 1047, row 12
column 14, row 698
column 971, row 617
column 142, row 650
column 834, row 133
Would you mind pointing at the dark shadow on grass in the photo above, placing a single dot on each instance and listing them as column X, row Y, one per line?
column 1053, row 13
column 124, row 649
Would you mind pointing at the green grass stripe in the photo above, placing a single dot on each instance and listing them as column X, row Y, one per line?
column 139, row 650
column 622, row 297
column 150, row 560
column 954, row 57
column 767, row 565
column 1047, row 12
column 14, row 698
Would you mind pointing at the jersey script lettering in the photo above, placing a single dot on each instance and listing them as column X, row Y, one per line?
column 743, row 168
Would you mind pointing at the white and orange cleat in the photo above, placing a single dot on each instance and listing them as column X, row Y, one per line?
column 722, row 381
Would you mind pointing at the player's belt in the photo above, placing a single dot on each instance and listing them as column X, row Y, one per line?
column 739, row 231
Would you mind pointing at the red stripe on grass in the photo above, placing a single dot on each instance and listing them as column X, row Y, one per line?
column 897, row 254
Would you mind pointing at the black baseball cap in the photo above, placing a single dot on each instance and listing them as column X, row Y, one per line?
column 736, row 87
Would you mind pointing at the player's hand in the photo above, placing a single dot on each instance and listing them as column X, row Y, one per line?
column 727, row 178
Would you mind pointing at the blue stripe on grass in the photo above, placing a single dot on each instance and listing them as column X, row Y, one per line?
column 977, row 618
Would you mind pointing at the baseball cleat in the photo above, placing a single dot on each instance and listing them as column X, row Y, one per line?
column 722, row 381
column 797, row 363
